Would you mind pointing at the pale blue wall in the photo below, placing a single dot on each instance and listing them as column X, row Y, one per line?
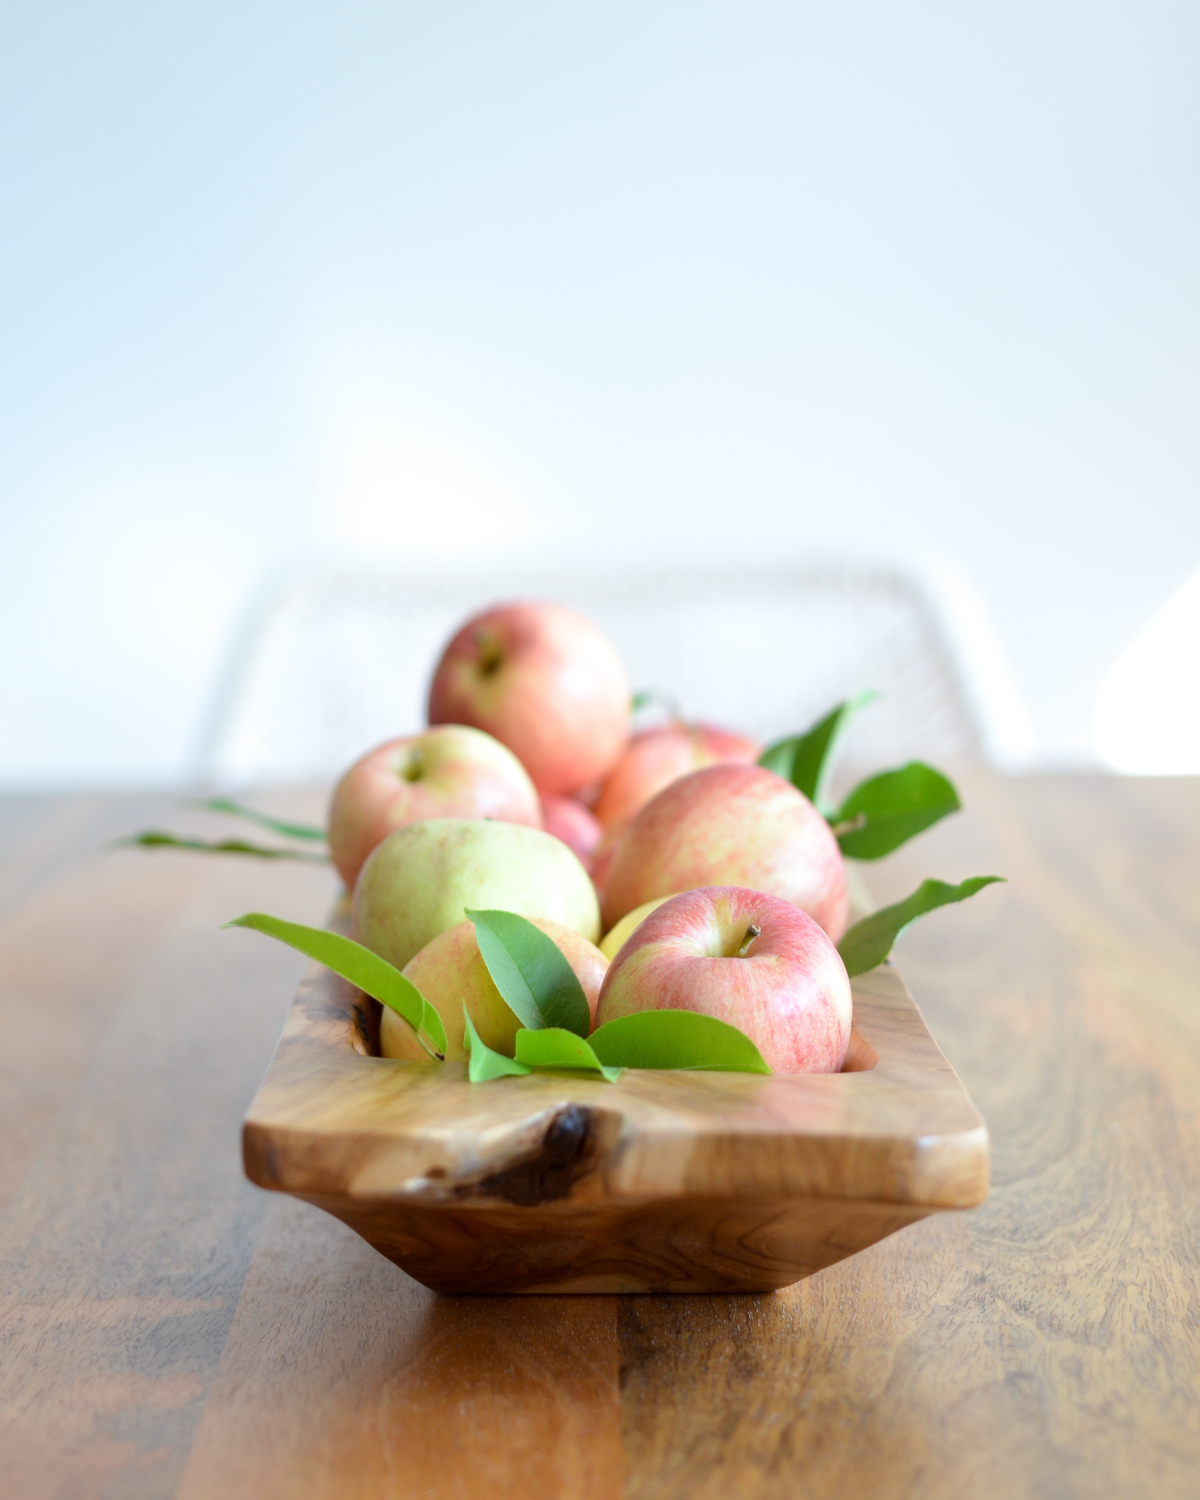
column 283, row 281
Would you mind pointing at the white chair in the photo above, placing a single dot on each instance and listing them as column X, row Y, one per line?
column 337, row 662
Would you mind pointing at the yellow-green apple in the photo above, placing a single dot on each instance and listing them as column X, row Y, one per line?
column 451, row 970
column 567, row 819
column 422, row 878
column 614, row 939
column 753, row 960
column 546, row 682
column 452, row 771
column 657, row 757
column 730, row 825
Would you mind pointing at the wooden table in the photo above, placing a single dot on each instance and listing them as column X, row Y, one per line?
column 169, row 1330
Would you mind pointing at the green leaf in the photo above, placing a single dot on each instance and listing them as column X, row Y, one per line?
column 528, row 968
column 644, row 697
column 807, row 760
column 676, row 1039
column 552, row 1047
column 154, row 838
column 869, row 942
column 370, row 973
column 484, row 1064
column 549, row 1048
column 885, row 811
column 277, row 825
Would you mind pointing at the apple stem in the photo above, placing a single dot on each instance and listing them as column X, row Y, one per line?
column 753, row 931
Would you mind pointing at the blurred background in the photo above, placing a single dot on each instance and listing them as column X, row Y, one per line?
column 410, row 290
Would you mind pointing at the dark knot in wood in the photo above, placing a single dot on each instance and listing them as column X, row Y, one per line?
column 564, row 1155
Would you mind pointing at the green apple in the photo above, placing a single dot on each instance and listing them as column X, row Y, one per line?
column 450, row 971
column 422, row 878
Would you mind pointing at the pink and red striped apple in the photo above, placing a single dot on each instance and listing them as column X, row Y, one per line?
column 545, row 682
column 448, row 772
column 656, row 757
column 730, row 825
column 752, row 960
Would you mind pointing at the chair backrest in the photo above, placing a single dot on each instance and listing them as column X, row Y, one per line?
column 338, row 662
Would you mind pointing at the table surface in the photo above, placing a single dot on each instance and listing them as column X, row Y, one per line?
column 169, row 1330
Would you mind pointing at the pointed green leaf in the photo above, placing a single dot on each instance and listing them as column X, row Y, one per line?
column 277, row 825
column 807, row 760
column 154, row 838
column 676, row 1039
column 885, row 811
column 370, row 973
column 483, row 1064
column 528, row 968
column 869, row 942
column 552, row 1047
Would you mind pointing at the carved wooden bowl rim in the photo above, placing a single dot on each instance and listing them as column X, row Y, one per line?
column 332, row 1121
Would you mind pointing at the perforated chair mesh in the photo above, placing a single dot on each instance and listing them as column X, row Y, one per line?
column 339, row 662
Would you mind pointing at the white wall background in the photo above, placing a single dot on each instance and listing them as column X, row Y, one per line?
column 284, row 282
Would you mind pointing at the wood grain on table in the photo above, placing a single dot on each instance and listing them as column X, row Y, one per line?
column 166, row 1329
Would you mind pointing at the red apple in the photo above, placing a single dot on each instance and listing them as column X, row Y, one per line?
column 451, row 970
column 657, row 757
column 568, row 819
column 601, row 862
column 730, row 825
column 753, row 960
column 448, row 772
column 546, row 682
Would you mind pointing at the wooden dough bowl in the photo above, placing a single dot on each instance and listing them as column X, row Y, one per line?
column 661, row 1182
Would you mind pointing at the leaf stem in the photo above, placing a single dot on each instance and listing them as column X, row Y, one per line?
column 154, row 838
column 276, row 825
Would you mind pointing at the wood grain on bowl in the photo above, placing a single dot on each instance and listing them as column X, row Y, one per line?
column 663, row 1181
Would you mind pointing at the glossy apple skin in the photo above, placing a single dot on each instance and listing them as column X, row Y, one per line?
column 421, row 879
column 449, row 772
column 657, row 757
column 730, row 825
column 568, row 819
column 451, row 969
column 545, row 682
column 789, row 991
